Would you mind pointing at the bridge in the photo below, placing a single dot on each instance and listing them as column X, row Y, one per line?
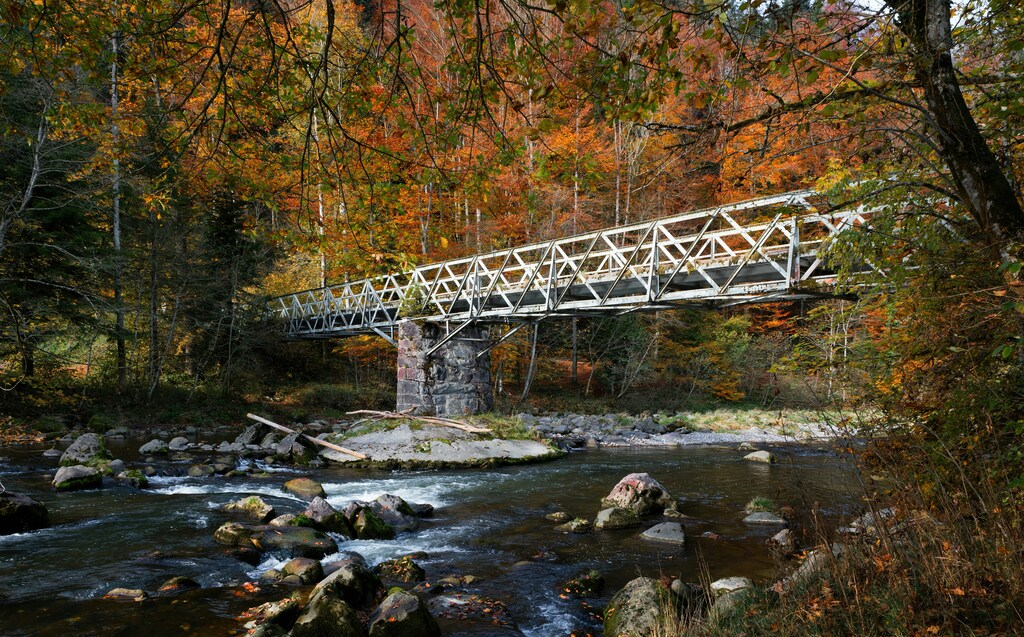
column 761, row 250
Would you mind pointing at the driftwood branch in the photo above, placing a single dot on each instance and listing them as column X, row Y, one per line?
column 437, row 420
column 315, row 441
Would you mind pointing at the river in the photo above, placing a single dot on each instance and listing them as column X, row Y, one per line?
column 488, row 523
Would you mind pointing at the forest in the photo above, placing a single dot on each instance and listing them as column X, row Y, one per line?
column 168, row 166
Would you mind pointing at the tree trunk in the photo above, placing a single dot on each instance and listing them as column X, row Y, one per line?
column 979, row 179
column 122, row 354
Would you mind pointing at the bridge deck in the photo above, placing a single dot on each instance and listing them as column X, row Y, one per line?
column 701, row 258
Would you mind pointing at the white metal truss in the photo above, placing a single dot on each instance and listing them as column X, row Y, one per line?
column 759, row 250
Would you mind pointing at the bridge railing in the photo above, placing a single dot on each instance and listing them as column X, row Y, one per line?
column 767, row 247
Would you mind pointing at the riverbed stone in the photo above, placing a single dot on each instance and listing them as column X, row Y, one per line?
column 395, row 512
column 616, row 518
column 576, row 525
column 643, row 608
column 134, row 594
column 369, row 526
column 725, row 585
column 670, row 532
column 784, row 542
column 327, row 615
column 295, row 541
column 326, row 518
column 250, row 436
column 284, row 520
column 402, row 569
column 201, row 471
column 153, row 447
column 77, row 478
column 307, row 570
column 232, row 534
column 86, row 449
column 354, row 583
column 133, row 478
column 20, row 513
column 178, row 443
column 764, row 517
column 640, row 493
column 761, row 456
column 254, row 506
column 305, row 488
column 177, row 584
column 403, row 615
column 559, row 517
column 290, row 541
column 281, row 613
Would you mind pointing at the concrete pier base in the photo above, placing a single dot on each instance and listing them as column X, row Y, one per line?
column 453, row 382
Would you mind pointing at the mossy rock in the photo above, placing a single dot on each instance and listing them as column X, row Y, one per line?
column 369, row 526
column 402, row 569
column 642, row 608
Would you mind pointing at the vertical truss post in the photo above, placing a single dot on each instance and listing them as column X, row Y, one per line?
column 793, row 264
column 652, row 277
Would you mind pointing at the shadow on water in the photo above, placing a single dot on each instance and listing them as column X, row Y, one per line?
column 489, row 523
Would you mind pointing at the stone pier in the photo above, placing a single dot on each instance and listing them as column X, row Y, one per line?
column 453, row 382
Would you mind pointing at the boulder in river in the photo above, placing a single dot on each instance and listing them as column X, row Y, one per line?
column 281, row 614
column 20, row 513
column 402, row 569
column 643, row 608
column 327, row 614
column 178, row 584
column 671, row 532
column 782, row 542
column 308, row 571
column 403, row 615
column 153, row 447
column 326, row 518
column 616, row 518
column 201, row 471
column 77, row 478
column 305, row 488
column 133, row 478
column 178, row 443
column 254, row 506
column 134, row 594
column 369, row 526
column 760, row 456
column 250, row 436
column 764, row 517
column 395, row 512
column 575, row 525
column 86, row 449
column 290, row 541
column 558, row 517
column 354, row 583
column 641, row 494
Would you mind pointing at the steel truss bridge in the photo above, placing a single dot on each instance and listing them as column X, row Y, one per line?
column 761, row 250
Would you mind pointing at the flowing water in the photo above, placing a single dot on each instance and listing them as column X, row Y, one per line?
column 488, row 523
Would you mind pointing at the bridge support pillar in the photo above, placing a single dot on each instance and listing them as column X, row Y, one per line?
column 453, row 382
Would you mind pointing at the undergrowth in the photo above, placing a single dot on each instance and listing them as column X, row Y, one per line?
column 948, row 562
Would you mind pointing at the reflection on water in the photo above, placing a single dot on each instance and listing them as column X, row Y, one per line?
column 488, row 523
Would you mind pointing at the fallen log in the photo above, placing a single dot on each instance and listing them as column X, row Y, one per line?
column 315, row 441
column 437, row 420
